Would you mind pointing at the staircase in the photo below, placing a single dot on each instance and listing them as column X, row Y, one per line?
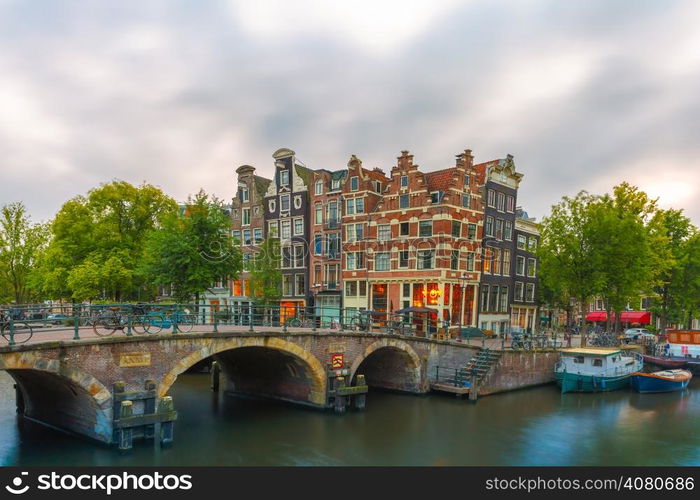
column 466, row 379
column 481, row 364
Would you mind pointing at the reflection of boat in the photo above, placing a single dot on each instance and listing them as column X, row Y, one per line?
column 595, row 369
column 663, row 381
column 665, row 362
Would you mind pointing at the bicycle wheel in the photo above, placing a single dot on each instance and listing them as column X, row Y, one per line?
column 152, row 323
column 185, row 323
column 527, row 345
column 104, row 327
column 293, row 323
column 22, row 332
column 139, row 324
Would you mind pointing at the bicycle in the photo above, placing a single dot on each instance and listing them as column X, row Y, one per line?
column 21, row 331
column 300, row 322
column 519, row 341
column 109, row 322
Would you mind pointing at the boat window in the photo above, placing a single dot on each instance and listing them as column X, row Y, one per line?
column 597, row 362
column 578, row 359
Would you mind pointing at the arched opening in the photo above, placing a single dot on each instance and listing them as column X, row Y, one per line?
column 59, row 401
column 393, row 367
column 271, row 368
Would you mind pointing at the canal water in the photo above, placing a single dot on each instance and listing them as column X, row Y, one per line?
column 535, row 426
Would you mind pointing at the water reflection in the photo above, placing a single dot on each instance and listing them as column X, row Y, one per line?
column 531, row 427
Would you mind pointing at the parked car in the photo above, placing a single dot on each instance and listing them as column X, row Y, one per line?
column 635, row 334
column 57, row 319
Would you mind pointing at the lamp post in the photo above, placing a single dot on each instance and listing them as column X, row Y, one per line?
column 463, row 285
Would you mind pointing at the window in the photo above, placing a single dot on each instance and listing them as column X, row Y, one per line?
column 246, row 261
column 529, row 292
column 406, row 290
column 381, row 261
column 466, row 180
column 425, row 228
column 532, row 243
column 499, row 229
column 377, row 186
column 354, row 183
column 426, row 259
column 579, row 360
column 404, row 201
column 403, row 259
column 350, row 261
column 501, row 202
column 384, row 232
column 273, row 229
column 436, row 196
column 506, row 262
column 456, row 229
column 286, row 257
column 486, row 260
column 521, row 242
column 488, row 227
column 335, row 184
column 493, row 299
column 531, row 268
column 246, row 216
column 351, row 288
column 298, row 226
column 332, row 275
column 491, row 198
column 354, row 232
column 508, row 231
column 297, row 202
column 271, row 206
column 332, row 214
column 504, row 299
column 284, row 203
column 359, row 260
column 256, row 211
column 350, row 206
column 471, row 231
column 510, row 205
column 454, row 261
column 286, row 229
column 465, row 200
column 496, row 267
column 518, row 291
column 287, row 285
column 520, row 266
column 319, row 186
column 318, row 214
column 300, row 284
column 597, row 362
column 246, row 237
column 359, row 205
column 318, row 244
column 404, row 181
column 362, row 289
column 470, row 261
column 284, row 178
column 245, row 196
column 236, row 235
column 484, row 297
column 333, row 246
column 403, row 229
column 257, row 236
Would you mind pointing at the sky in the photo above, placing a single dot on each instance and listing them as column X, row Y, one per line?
column 584, row 93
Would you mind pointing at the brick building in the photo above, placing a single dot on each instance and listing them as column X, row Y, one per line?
column 500, row 183
column 287, row 218
column 325, row 259
column 247, row 227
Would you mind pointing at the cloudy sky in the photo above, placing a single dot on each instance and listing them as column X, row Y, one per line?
column 583, row 93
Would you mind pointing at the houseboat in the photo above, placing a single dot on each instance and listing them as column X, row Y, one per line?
column 592, row 369
column 684, row 345
column 663, row 381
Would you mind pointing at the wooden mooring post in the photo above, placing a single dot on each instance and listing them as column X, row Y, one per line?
column 215, row 376
column 341, row 395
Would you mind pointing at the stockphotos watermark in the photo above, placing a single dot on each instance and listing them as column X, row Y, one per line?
column 106, row 483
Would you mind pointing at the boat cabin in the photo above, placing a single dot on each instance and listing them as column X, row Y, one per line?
column 684, row 343
column 593, row 361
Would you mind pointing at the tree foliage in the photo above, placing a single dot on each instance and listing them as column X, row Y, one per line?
column 21, row 245
column 98, row 243
column 194, row 249
column 265, row 274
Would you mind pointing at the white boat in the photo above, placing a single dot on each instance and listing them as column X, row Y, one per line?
column 596, row 369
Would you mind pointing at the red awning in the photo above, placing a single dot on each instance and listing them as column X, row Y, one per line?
column 643, row 318
column 597, row 316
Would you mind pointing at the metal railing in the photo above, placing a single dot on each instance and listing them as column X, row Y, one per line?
column 46, row 322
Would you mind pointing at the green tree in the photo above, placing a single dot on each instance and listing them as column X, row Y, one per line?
column 193, row 250
column 21, row 245
column 265, row 274
column 98, row 243
column 569, row 262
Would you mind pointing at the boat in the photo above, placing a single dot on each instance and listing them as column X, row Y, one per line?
column 663, row 381
column 596, row 369
column 664, row 362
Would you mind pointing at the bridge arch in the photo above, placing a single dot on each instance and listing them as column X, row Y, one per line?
column 389, row 364
column 61, row 395
column 227, row 350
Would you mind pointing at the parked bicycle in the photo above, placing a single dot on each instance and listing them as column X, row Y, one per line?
column 520, row 341
column 114, row 319
column 297, row 322
column 18, row 330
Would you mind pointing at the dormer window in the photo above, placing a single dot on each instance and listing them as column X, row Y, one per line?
column 335, row 184
column 377, row 186
column 284, row 178
column 354, row 183
column 319, row 186
column 404, row 181
column 436, row 196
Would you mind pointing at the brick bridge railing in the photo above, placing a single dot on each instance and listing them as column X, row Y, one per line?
column 114, row 389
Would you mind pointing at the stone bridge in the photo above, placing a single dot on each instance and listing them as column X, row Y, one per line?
column 80, row 385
